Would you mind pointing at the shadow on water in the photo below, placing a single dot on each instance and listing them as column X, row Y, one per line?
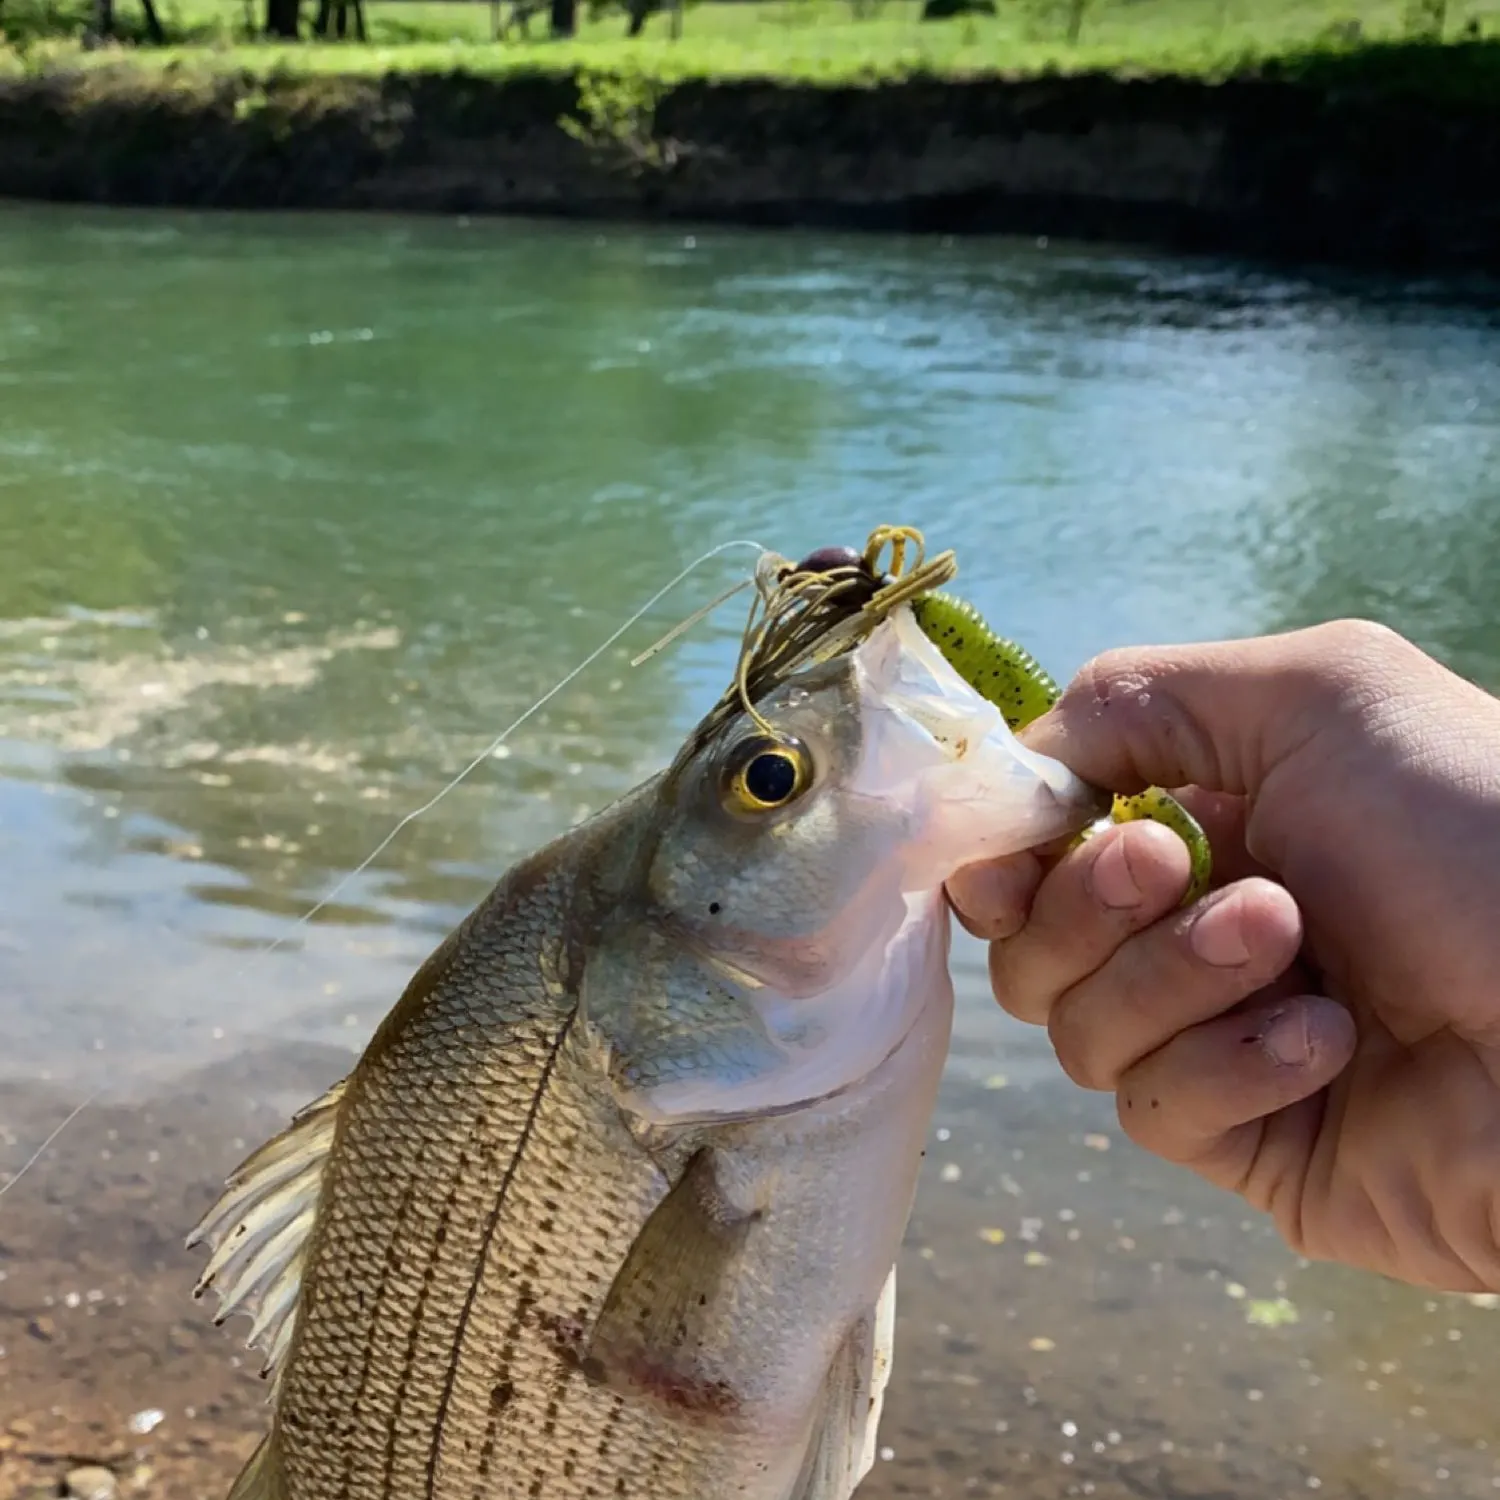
column 296, row 513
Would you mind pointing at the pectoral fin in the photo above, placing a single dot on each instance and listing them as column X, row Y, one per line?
column 652, row 1336
column 842, row 1450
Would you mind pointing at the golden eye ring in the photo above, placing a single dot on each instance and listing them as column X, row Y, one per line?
column 764, row 774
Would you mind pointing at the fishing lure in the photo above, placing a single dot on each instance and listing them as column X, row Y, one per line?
column 1001, row 671
column 1016, row 683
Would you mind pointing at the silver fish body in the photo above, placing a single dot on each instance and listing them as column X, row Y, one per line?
column 611, row 1203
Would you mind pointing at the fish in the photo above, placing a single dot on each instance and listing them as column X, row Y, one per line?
column 610, row 1204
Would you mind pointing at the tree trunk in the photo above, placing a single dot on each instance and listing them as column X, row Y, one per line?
column 323, row 18
column 104, row 19
column 564, row 17
column 283, row 19
column 639, row 12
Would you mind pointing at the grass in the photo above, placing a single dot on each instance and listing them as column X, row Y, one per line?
column 813, row 40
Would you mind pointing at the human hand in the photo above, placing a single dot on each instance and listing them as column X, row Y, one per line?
column 1320, row 1033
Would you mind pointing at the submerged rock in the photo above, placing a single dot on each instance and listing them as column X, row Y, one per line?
column 91, row 1483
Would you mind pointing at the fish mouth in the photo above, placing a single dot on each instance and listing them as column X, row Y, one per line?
column 973, row 790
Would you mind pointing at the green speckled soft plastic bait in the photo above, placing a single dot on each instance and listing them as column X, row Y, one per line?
column 1015, row 682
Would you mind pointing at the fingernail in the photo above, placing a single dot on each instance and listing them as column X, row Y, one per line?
column 1288, row 1040
column 1111, row 879
column 1218, row 936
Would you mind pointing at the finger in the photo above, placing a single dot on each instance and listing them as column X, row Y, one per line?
column 1178, row 974
column 993, row 899
column 1217, row 716
column 1213, row 1098
column 1110, row 887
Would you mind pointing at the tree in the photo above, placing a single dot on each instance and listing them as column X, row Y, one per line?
column 103, row 27
column 284, row 19
column 641, row 11
column 333, row 15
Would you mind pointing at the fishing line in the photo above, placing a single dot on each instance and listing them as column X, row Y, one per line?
column 500, row 739
column 463, row 775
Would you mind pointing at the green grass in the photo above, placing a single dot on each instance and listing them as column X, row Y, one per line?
column 820, row 40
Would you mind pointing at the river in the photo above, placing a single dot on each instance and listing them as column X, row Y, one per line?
column 298, row 513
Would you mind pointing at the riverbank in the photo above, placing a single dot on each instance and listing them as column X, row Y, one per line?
column 1381, row 155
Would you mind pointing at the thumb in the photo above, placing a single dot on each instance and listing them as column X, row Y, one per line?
column 1222, row 716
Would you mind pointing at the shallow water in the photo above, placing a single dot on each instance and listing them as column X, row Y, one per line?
column 297, row 513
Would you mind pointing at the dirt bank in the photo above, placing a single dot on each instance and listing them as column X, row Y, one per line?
column 1347, row 162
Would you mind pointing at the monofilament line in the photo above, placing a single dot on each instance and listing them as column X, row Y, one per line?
column 432, row 802
column 500, row 739
column 42, row 1150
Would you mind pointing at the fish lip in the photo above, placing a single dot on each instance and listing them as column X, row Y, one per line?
column 976, row 765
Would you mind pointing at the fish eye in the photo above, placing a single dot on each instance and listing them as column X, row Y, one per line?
column 766, row 773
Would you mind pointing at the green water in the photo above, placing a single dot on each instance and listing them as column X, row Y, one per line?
column 296, row 514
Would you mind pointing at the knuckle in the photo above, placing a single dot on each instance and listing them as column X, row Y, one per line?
column 1354, row 638
column 1356, row 657
column 1016, row 996
column 1102, row 670
column 1135, row 687
column 1076, row 1050
column 1165, row 1126
column 1124, row 1013
column 1116, row 677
